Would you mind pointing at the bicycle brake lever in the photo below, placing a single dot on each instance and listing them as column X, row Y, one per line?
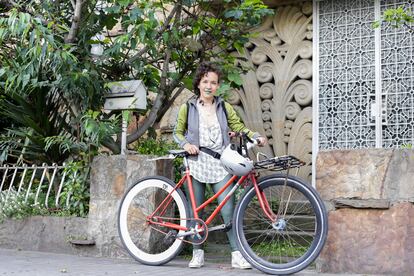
column 165, row 157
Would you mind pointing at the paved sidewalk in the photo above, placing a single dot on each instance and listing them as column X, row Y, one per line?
column 25, row 263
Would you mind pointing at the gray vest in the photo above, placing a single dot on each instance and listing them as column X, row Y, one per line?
column 192, row 135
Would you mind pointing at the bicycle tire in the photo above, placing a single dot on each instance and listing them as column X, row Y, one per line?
column 284, row 247
column 147, row 243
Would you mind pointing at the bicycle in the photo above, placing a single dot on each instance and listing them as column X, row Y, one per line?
column 280, row 221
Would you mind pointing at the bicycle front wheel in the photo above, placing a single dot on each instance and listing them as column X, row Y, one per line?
column 295, row 239
column 149, row 243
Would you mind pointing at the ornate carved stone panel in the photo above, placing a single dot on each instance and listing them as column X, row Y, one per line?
column 276, row 98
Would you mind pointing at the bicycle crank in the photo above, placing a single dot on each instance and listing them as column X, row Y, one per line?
column 198, row 231
column 170, row 237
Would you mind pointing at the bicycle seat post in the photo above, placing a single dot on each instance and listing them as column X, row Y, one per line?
column 185, row 161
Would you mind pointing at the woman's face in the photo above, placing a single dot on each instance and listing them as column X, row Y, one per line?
column 208, row 86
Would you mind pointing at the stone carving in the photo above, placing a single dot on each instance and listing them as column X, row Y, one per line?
column 276, row 97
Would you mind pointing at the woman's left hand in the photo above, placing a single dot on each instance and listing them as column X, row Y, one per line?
column 262, row 141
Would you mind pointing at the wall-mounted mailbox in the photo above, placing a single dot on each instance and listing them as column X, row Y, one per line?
column 123, row 95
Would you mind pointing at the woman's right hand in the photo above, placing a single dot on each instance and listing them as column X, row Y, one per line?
column 191, row 149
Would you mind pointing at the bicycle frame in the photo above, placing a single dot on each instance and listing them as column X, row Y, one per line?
column 158, row 219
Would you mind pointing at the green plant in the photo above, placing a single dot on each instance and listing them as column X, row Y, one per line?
column 73, row 199
column 76, row 188
column 44, row 86
column 396, row 18
column 94, row 130
column 45, row 49
column 160, row 147
column 287, row 248
column 14, row 205
column 153, row 146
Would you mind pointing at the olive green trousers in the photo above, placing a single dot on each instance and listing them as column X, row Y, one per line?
column 227, row 210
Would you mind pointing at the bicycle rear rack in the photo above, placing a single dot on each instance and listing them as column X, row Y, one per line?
column 279, row 163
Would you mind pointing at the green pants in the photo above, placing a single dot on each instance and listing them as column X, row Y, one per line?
column 227, row 210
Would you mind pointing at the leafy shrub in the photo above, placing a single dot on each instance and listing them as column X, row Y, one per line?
column 14, row 205
column 77, row 189
column 160, row 147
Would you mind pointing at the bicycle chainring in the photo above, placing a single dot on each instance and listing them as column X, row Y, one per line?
column 200, row 237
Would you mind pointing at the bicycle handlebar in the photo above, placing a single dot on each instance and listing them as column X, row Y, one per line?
column 243, row 136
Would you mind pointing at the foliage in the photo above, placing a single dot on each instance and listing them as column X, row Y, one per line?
column 94, row 131
column 35, row 119
column 407, row 146
column 160, row 147
column 153, row 146
column 76, row 189
column 45, row 88
column 396, row 18
column 287, row 248
column 51, row 81
column 73, row 199
column 17, row 207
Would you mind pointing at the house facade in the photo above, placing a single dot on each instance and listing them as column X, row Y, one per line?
column 325, row 79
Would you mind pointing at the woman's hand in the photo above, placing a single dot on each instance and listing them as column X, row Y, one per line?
column 191, row 149
column 262, row 141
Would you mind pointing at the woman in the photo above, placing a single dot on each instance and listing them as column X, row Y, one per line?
column 205, row 122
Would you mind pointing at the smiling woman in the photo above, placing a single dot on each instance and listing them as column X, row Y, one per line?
column 201, row 129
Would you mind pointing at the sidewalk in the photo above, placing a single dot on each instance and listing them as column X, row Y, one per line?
column 25, row 263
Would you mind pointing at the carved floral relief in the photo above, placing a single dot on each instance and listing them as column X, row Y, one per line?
column 276, row 97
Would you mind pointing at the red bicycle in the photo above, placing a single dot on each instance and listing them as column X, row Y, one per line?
column 280, row 222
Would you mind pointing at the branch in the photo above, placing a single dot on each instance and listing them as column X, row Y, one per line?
column 114, row 147
column 70, row 38
column 158, row 35
column 152, row 116
column 167, row 105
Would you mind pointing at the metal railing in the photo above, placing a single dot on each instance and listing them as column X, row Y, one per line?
column 44, row 182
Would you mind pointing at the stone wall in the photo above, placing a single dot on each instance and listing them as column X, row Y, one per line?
column 96, row 235
column 370, row 195
column 110, row 177
column 48, row 234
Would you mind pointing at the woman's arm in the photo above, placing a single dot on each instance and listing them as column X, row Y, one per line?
column 235, row 123
column 181, row 126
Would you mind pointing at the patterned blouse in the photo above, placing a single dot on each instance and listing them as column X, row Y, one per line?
column 206, row 168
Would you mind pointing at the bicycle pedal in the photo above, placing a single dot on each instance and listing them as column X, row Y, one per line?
column 228, row 227
column 170, row 237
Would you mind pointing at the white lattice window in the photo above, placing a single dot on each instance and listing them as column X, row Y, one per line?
column 365, row 85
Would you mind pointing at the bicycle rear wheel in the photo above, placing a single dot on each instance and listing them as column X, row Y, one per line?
column 147, row 243
column 296, row 238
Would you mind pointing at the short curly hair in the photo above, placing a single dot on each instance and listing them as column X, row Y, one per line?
column 202, row 70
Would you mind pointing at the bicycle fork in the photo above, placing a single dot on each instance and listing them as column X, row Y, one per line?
column 264, row 204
